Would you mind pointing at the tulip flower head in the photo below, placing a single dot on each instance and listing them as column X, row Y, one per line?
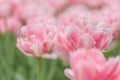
column 37, row 39
column 92, row 65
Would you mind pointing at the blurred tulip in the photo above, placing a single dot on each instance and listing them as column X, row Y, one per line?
column 2, row 26
column 90, row 3
column 73, row 37
column 13, row 25
column 91, row 65
column 37, row 39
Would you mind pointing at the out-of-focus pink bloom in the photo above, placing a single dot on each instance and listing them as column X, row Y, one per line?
column 109, row 15
column 24, row 11
column 59, row 4
column 74, row 37
column 93, row 55
column 90, row 3
column 5, row 8
column 2, row 26
column 75, row 14
column 39, row 16
column 27, row 10
column 13, row 25
column 101, row 34
column 112, row 2
column 65, row 46
column 37, row 39
column 82, row 15
column 92, row 65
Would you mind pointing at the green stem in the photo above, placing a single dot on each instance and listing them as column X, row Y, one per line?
column 39, row 61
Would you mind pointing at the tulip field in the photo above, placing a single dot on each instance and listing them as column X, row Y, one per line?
column 59, row 39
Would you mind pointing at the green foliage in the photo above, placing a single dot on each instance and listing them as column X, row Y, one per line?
column 14, row 65
column 115, row 51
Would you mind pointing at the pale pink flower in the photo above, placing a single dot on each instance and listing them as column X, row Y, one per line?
column 5, row 8
column 58, row 4
column 13, row 25
column 37, row 38
column 39, row 16
column 90, row 3
column 109, row 15
column 2, row 26
column 74, row 14
column 113, row 2
column 101, row 34
column 92, row 65
column 73, row 37
column 24, row 11
column 52, row 6
column 81, row 14
column 28, row 8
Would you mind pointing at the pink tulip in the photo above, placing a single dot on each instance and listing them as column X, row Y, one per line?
column 24, row 11
column 109, row 15
column 73, row 37
column 5, row 8
column 92, row 65
column 2, row 26
column 27, row 8
column 37, row 38
column 90, row 3
column 101, row 34
column 82, row 15
column 59, row 4
column 13, row 25
column 74, row 14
